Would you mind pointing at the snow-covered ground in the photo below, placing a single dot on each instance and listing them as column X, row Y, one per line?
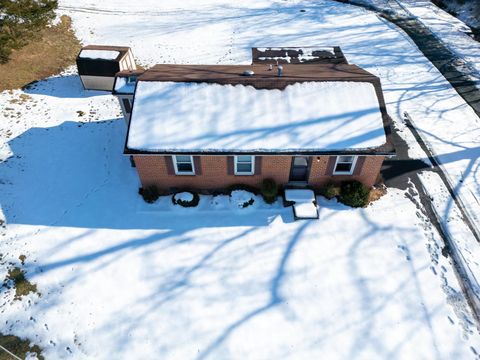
column 449, row 126
column 452, row 31
column 123, row 279
column 467, row 11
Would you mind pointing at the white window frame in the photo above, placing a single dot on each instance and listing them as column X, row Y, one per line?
column 352, row 169
column 183, row 172
column 244, row 172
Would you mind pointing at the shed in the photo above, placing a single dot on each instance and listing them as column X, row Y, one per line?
column 98, row 64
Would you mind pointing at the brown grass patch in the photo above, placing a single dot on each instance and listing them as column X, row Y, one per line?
column 22, row 285
column 376, row 192
column 18, row 347
column 54, row 50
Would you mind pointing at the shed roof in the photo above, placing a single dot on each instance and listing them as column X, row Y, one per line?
column 99, row 49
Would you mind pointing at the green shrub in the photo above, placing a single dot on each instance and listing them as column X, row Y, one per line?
column 329, row 191
column 192, row 203
column 269, row 190
column 354, row 194
column 149, row 194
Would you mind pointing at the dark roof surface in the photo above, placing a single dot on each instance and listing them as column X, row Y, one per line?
column 263, row 77
column 321, row 67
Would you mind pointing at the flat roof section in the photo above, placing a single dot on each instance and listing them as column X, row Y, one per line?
column 191, row 117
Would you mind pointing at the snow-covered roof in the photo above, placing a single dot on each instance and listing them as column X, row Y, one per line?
column 206, row 117
column 99, row 54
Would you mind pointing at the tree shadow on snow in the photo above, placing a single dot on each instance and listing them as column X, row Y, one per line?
column 76, row 175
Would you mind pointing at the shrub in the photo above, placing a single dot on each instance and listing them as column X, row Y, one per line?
column 248, row 203
column 181, row 198
column 329, row 191
column 269, row 190
column 354, row 194
column 149, row 194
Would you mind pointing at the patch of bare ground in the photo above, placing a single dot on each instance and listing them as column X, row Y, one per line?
column 17, row 346
column 55, row 49
column 16, row 278
column 376, row 192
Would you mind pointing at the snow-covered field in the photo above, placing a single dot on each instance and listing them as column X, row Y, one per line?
column 123, row 279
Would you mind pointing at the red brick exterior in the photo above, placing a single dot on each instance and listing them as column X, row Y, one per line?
column 368, row 172
column 214, row 172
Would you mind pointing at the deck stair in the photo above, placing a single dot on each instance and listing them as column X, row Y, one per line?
column 303, row 202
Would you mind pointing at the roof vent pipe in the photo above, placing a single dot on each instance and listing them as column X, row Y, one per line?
column 280, row 70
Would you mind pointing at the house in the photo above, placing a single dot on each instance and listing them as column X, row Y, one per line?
column 207, row 127
column 98, row 64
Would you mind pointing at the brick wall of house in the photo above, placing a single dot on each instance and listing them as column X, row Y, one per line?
column 213, row 172
column 366, row 171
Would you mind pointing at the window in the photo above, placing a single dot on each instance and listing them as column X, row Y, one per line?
column 345, row 165
column 184, row 165
column 244, row 165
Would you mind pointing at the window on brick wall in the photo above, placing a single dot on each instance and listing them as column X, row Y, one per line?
column 184, row 165
column 244, row 165
column 344, row 165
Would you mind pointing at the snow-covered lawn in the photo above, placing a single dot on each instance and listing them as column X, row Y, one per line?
column 413, row 84
column 449, row 29
column 123, row 279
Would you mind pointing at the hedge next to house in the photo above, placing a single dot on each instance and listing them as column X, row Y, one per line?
column 149, row 194
column 269, row 190
column 354, row 194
